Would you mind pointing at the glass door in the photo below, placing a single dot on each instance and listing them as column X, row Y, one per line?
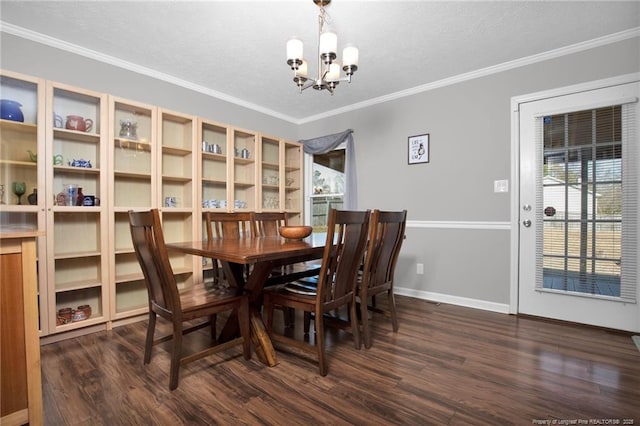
column 579, row 222
column 132, row 185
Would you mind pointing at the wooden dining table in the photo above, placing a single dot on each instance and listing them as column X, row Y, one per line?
column 263, row 254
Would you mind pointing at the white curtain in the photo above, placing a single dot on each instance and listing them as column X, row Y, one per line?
column 327, row 143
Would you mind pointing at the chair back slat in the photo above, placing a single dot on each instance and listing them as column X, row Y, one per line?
column 346, row 239
column 150, row 249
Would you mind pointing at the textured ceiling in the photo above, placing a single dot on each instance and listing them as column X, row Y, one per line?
column 236, row 49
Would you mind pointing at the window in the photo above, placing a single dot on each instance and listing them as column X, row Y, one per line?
column 328, row 186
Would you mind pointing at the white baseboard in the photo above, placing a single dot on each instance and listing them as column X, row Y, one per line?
column 485, row 305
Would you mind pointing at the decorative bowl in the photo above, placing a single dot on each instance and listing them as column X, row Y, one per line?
column 295, row 232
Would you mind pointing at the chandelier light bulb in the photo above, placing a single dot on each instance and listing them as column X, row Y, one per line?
column 334, row 72
column 302, row 69
column 350, row 56
column 294, row 49
column 294, row 53
column 328, row 43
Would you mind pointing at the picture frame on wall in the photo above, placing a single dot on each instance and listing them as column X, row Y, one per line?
column 418, row 149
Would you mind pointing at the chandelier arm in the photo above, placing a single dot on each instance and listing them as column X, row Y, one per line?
column 308, row 84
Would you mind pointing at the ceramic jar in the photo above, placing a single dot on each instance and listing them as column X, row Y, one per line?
column 10, row 110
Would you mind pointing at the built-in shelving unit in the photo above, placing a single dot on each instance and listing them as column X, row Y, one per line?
column 124, row 155
column 77, row 237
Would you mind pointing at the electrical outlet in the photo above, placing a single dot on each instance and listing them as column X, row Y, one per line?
column 419, row 268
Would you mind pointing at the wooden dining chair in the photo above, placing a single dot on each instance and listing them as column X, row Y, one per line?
column 386, row 233
column 228, row 225
column 342, row 257
column 267, row 224
column 199, row 301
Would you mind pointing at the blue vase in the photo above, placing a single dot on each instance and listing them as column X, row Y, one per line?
column 10, row 110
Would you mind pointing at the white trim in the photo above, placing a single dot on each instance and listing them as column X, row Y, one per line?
column 452, row 300
column 451, row 224
column 505, row 66
column 575, row 88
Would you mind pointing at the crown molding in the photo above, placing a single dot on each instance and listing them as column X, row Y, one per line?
column 111, row 60
column 494, row 69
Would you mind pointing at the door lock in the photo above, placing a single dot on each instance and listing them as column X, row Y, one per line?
column 526, row 223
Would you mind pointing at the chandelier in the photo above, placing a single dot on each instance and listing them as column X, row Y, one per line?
column 328, row 75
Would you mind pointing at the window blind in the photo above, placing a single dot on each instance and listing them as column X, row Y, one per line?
column 587, row 228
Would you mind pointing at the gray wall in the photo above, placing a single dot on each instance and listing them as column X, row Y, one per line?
column 470, row 128
column 469, row 124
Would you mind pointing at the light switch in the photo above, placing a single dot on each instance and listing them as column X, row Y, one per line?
column 501, row 185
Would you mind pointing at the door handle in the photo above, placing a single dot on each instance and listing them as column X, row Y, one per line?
column 526, row 223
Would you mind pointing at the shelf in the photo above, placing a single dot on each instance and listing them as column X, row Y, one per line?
column 77, row 285
column 289, row 168
column 244, row 184
column 76, row 170
column 125, row 278
column 176, row 179
column 93, row 320
column 131, row 311
column 77, row 209
column 176, row 151
column 126, row 250
column 75, row 135
column 273, row 166
column 18, row 126
column 132, row 175
column 132, row 144
column 174, row 210
column 214, row 157
column 243, row 161
column 214, row 182
column 26, row 164
column 77, row 255
column 18, row 208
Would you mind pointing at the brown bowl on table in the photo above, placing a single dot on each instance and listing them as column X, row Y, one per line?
column 295, row 232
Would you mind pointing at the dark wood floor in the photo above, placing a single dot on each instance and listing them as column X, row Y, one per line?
column 446, row 365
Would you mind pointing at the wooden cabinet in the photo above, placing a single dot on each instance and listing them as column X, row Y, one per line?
column 215, row 192
column 77, row 237
column 270, row 172
column 21, row 384
column 293, row 182
column 133, row 182
column 244, row 171
column 177, row 157
column 124, row 155
column 22, row 150
column 281, row 177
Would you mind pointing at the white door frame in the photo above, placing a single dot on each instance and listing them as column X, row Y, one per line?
column 515, row 164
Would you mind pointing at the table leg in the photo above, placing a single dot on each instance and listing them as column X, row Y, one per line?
column 255, row 283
